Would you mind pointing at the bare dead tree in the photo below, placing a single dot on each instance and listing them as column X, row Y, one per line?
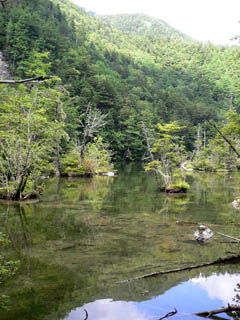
column 93, row 121
column 147, row 139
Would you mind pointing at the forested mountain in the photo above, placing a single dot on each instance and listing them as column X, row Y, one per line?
column 144, row 25
column 131, row 68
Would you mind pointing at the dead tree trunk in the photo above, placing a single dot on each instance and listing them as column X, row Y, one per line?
column 149, row 149
column 93, row 121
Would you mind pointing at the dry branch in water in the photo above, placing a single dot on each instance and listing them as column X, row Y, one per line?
column 170, row 314
column 86, row 317
column 208, row 314
column 226, row 236
column 158, row 273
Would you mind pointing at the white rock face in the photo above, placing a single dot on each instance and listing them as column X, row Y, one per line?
column 4, row 70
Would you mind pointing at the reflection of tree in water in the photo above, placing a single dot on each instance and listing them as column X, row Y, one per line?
column 19, row 233
column 236, row 302
column 175, row 203
column 93, row 190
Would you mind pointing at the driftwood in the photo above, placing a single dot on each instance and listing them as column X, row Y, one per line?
column 208, row 314
column 226, row 236
column 170, row 314
column 158, row 273
column 30, row 80
column 224, row 138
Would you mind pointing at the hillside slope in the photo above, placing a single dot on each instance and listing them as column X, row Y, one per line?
column 131, row 76
column 143, row 25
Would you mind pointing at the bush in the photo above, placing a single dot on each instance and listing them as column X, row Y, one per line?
column 97, row 160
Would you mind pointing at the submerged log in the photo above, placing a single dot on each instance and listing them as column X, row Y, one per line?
column 158, row 273
column 226, row 236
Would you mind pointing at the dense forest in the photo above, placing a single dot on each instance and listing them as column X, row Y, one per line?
column 129, row 72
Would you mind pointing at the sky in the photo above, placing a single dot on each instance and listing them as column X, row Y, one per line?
column 204, row 20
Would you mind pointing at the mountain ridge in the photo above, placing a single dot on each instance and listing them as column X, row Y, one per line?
column 143, row 24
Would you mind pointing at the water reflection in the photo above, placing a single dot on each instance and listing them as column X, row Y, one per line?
column 85, row 235
column 195, row 295
column 107, row 309
column 222, row 287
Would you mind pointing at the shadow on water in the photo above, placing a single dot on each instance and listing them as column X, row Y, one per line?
column 85, row 235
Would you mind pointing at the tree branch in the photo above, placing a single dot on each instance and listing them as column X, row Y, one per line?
column 170, row 314
column 86, row 317
column 208, row 314
column 30, row 80
column 224, row 138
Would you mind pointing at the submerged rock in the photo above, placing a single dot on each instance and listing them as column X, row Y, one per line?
column 203, row 234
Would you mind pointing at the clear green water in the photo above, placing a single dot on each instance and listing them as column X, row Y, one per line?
column 86, row 235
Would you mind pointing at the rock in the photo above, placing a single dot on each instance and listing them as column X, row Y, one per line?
column 109, row 174
column 203, row 234
column 173, row 189
column 236, row 204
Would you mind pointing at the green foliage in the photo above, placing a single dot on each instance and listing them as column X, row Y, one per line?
column 169, row 152
column 29, row 134
column 132, row 67
column 179, row 184
column 97, row 160
column 218, row 154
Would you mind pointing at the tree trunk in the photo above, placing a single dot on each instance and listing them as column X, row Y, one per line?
column 224, row 138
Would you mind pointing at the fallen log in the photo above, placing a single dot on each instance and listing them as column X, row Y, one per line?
column 158, row 273
column 217, row 311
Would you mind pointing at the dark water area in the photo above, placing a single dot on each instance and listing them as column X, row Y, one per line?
column 86, row 235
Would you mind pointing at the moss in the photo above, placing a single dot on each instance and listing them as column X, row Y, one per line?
column 178, row 187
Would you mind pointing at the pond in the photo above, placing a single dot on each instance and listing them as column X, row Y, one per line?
column 87, row 235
